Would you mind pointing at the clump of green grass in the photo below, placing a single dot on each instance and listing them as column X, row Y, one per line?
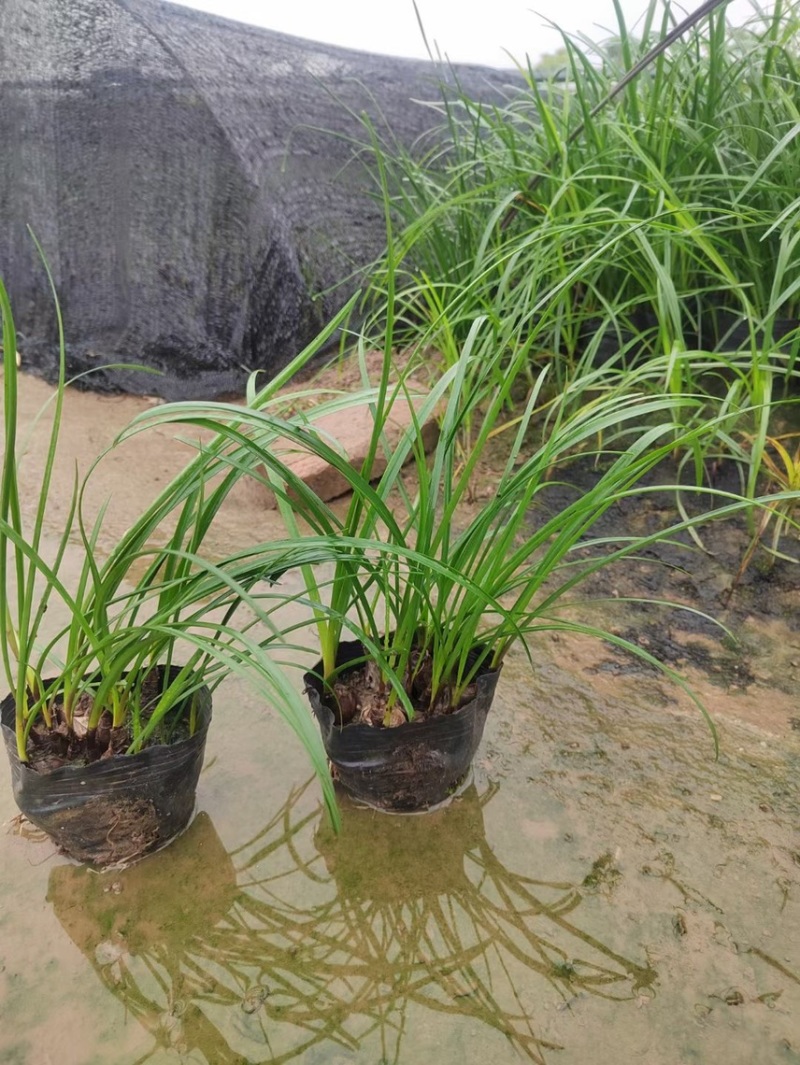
column 665, row 230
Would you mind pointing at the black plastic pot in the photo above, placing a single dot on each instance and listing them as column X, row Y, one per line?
column 410, row 767
column 117, row 809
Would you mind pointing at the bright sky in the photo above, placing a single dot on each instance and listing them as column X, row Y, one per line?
column 466, row 31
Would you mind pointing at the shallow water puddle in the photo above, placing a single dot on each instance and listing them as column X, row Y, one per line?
column 602, row 892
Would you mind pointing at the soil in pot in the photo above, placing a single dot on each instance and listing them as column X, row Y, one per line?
column 378, row 755
column 101, row 805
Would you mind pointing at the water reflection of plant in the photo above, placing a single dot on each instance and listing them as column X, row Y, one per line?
column 137, row 938
column 328, row 942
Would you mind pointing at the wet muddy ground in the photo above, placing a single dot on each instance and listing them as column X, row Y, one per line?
column 603, row 891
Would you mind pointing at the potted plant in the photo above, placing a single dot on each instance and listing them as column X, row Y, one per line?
column 430, row 587
column 435, row 598
column 110, row 675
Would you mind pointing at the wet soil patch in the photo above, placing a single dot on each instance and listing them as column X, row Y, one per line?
column 704, row 576
column 727, row 619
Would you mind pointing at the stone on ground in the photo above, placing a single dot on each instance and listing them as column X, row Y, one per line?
column 349, row 432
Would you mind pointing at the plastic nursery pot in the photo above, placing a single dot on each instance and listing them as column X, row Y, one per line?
column 411, row 767
column 115, row 810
